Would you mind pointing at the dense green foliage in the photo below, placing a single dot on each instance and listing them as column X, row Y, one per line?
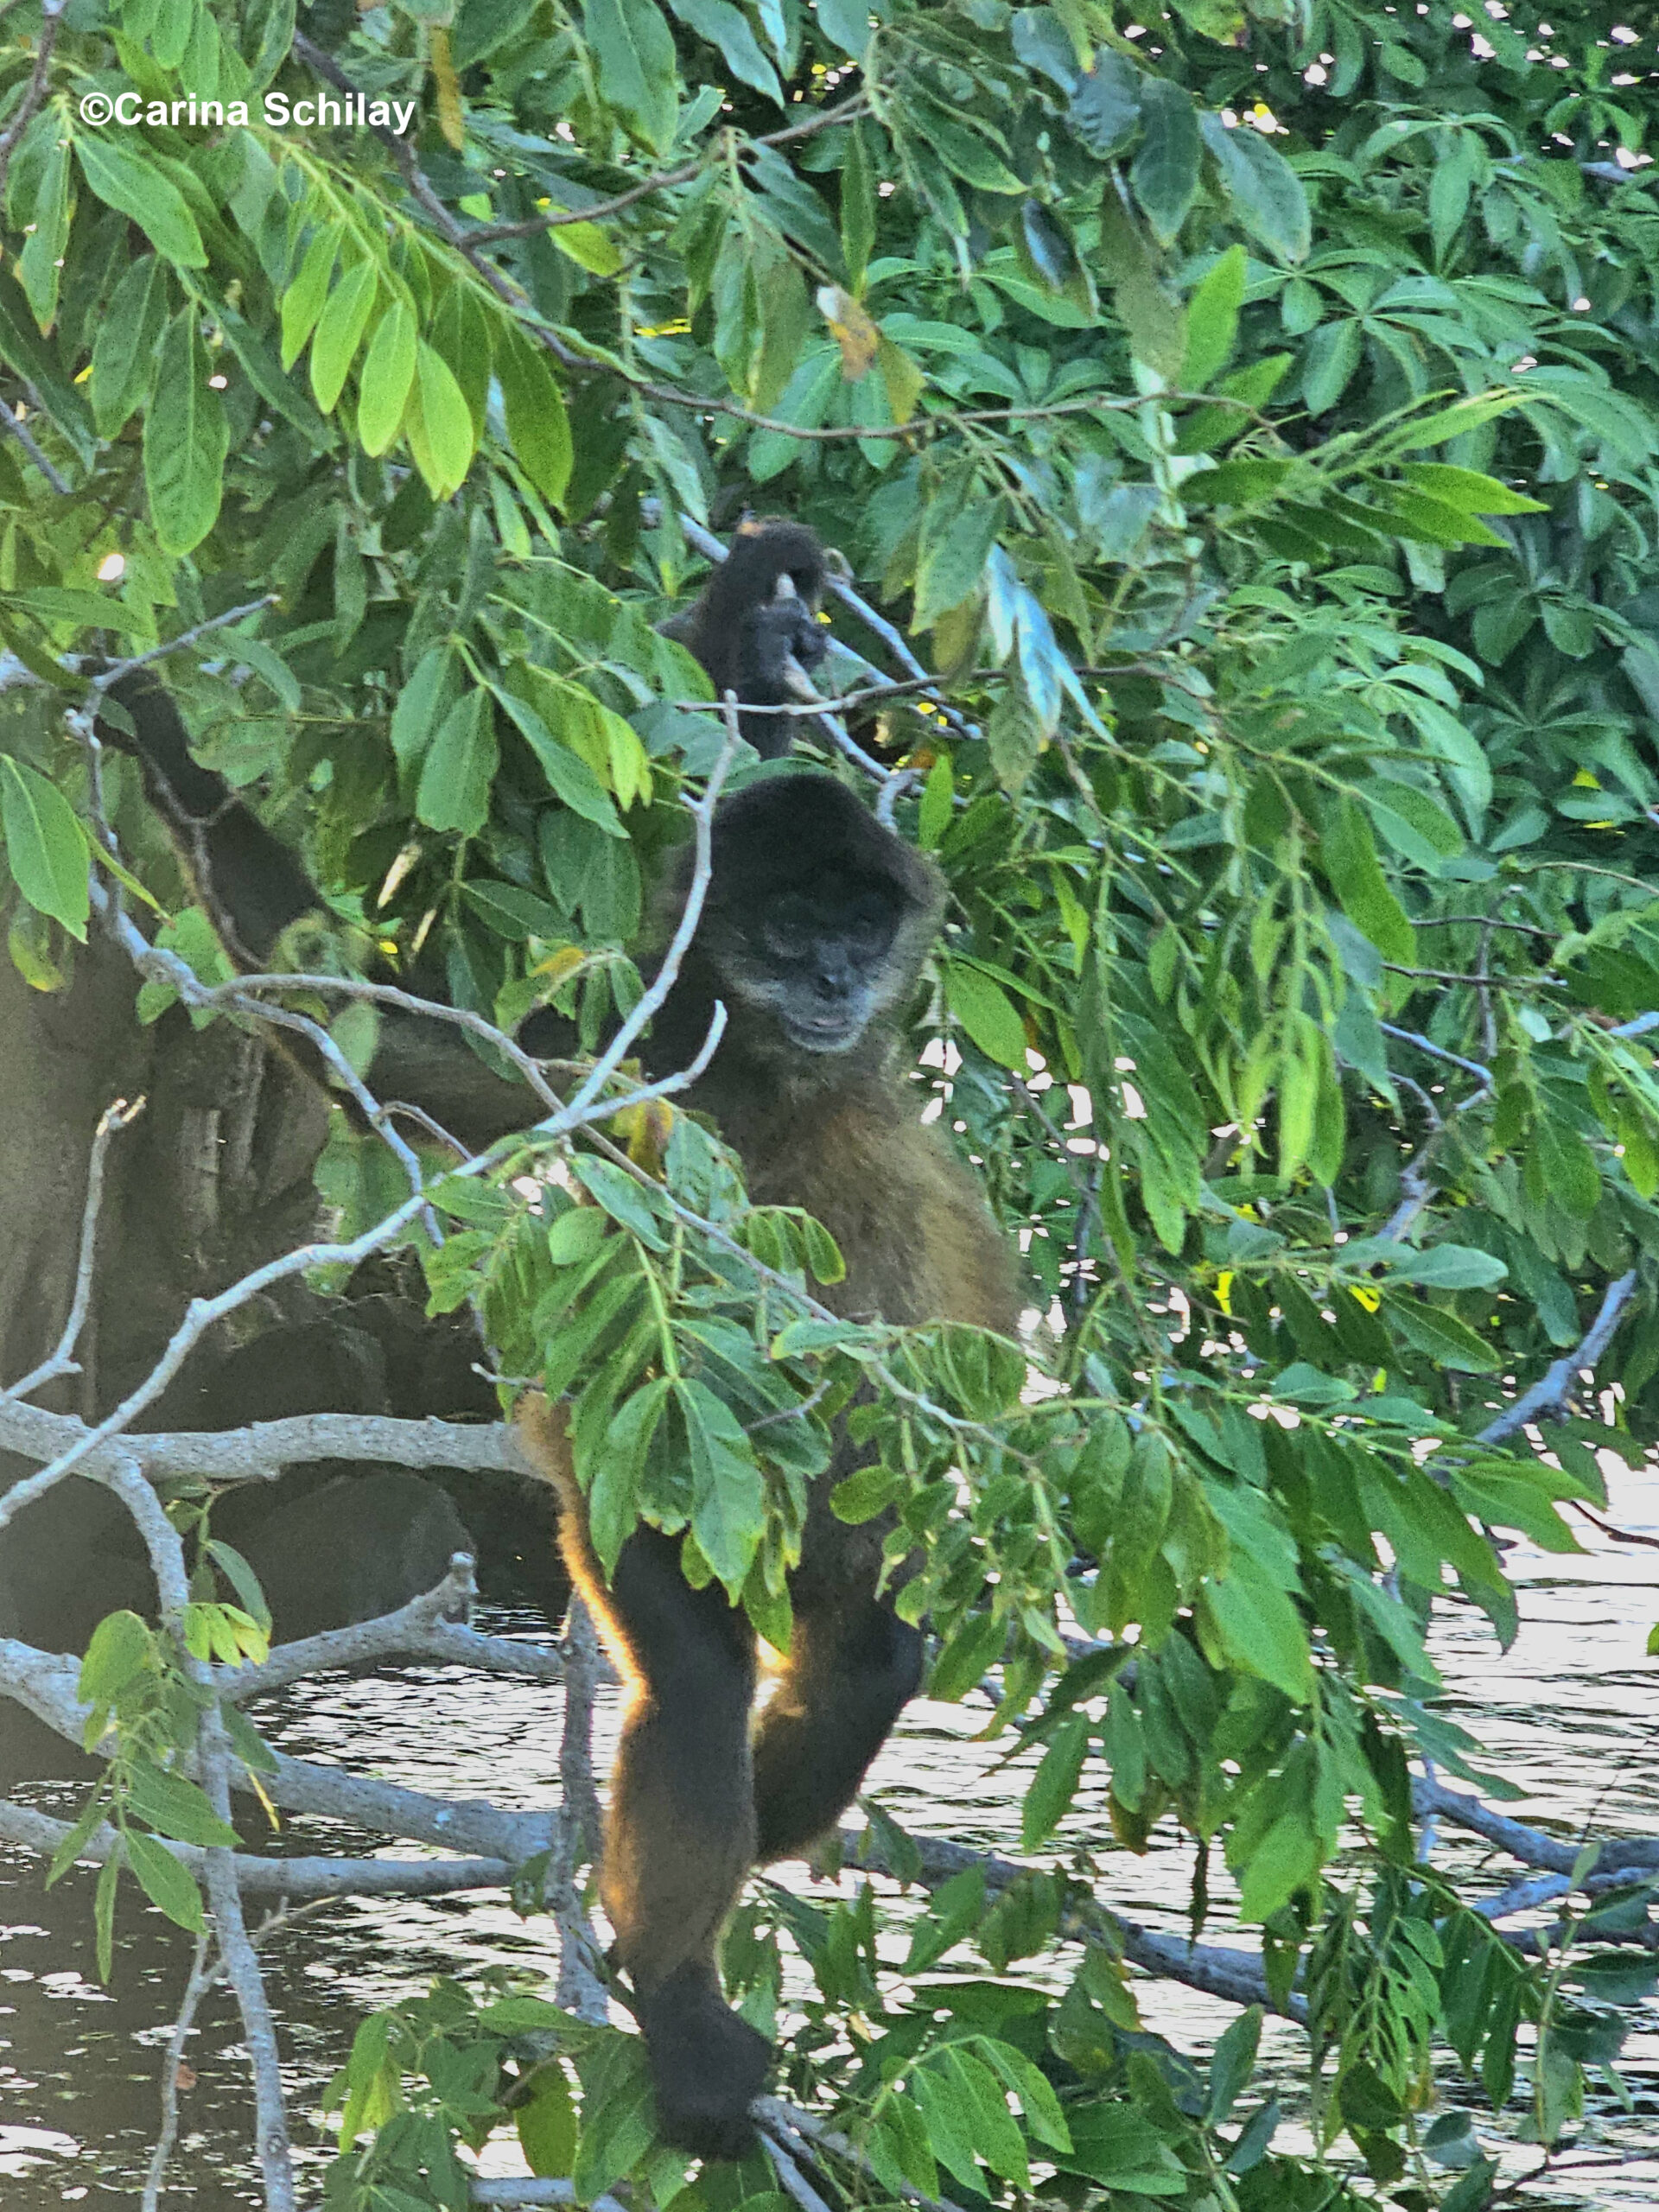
column 1252, row 418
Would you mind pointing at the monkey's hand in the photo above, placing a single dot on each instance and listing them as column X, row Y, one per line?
column 798, row 683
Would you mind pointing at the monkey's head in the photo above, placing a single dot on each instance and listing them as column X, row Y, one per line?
column 817, row 919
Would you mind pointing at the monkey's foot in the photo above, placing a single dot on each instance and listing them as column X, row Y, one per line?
column 707, row 2066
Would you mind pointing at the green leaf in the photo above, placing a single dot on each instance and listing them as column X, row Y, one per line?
column 124, row 342
column 938, row 795
column 1212, row 319
column 302, row 300
column 1444, row 1339
column 1105, row 109
column 387, row 376
column 438, row 423
column 340, row 333
column 986, row 1012
column 1236, row 483
column 1266, row 192
column 1468, row 491
column 728, row 1496
column 1114, row 2145
column 847, row 22
column 186, row 440
column 546, row 2121
column 482, row 26
column 567, row 775
column 45, row 846
column 637, row 73
column 1164, row 173
column 822, row 1253
column 511, row 912
column 726, row 29
column 537, row 423
column 1054, row 1785
column 962, row 148
column 1567, row 1166
column 1285, row 1860
column 459, row 767
column 1259, row 1628
column 164, row 1880
column 1450, row 1267
column 1328, row 365
column 1232, row 2064
column 976, row 1645
column 1363, row 892
column 1413, row 824
column 175, row 1805
column 613, row 1500
column 40, row 265
column 952, row 560
column 134, row 186
column 577, row 1236
column 859, row 203
column 1432, row 522
column 104, row 1914
column 422, row 703
column 624, row 1200
column 589, row 247
column 119, row 1651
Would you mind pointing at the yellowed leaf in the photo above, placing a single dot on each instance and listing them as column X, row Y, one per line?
column 852, row 329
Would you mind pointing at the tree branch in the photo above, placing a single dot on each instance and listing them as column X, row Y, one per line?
column 1548, row 1395
column 1532, row 1847
column 1237, row 1976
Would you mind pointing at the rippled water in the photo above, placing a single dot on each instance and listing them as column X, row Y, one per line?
column 1571, row 1712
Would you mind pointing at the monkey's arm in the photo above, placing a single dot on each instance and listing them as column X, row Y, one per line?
column 253, row 888
column 250, row 884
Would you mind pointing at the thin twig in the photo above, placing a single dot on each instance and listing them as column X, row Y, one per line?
column 793, row 2183
column 582, row 1988
column 114, row 674
column 773, row 2114
column 493, row 233
column 195, row 1989
column 52, row 15
column 1436, row 1052
column 114, row 1118
column 26, row 439
column 213, row 1755
column 703, row 815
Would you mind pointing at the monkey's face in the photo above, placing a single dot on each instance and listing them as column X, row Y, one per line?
column 815, row 965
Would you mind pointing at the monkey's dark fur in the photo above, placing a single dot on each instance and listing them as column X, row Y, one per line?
column 754, row 625
column 816, row 924
column 815, row 928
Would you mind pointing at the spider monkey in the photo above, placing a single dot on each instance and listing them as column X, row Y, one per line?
column 815, row 928
column 754, row 625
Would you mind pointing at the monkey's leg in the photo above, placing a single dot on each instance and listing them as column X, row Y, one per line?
column 680, row 1837
column 852, row 1666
